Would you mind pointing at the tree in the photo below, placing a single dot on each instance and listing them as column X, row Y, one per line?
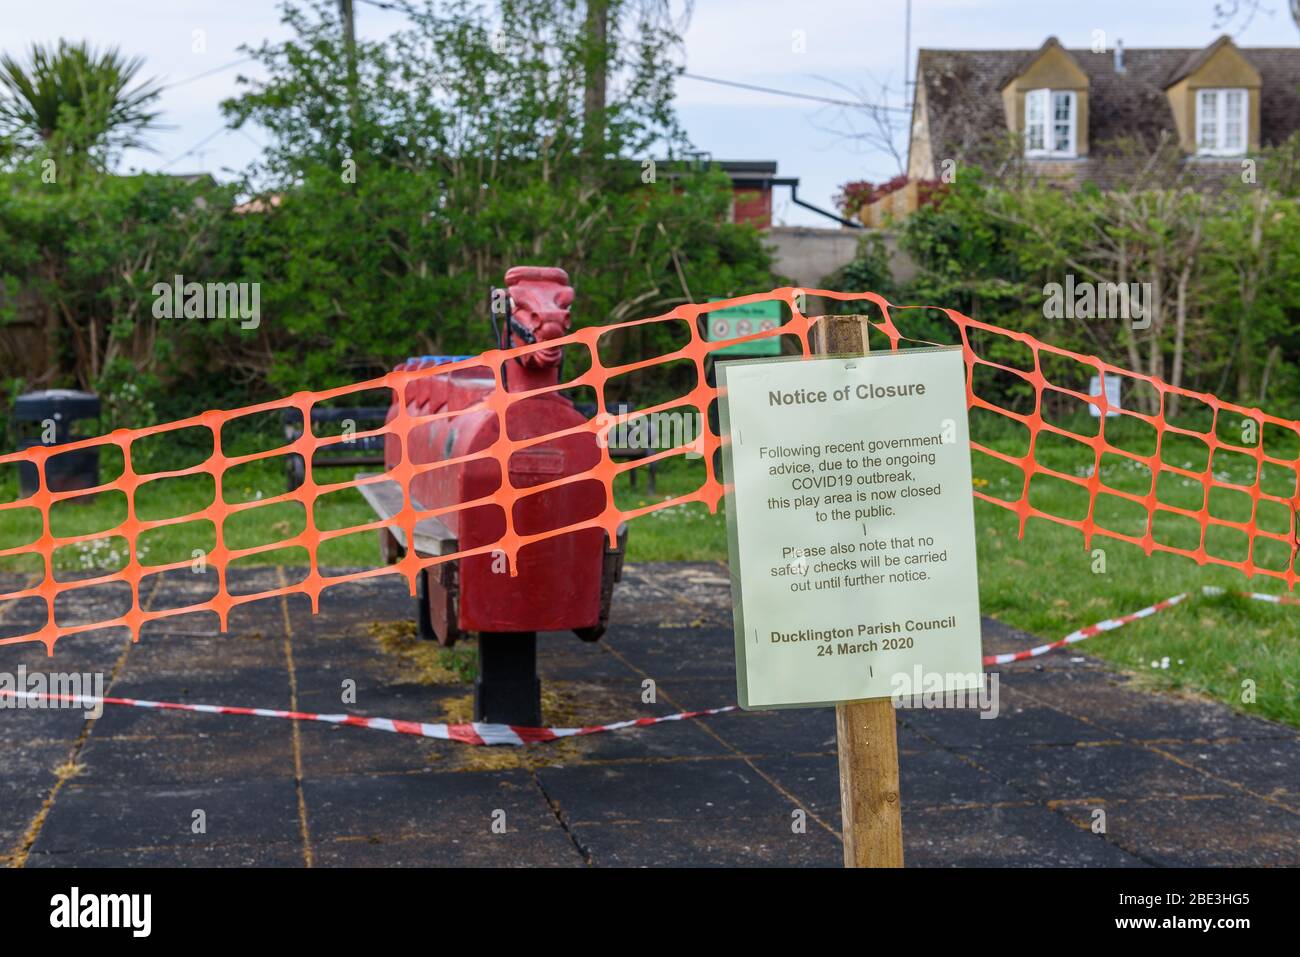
column 76, row 103
column 1254, row 292
column 1230, row 12
column 87, row 259
column 471, row 155
column 1220, row 266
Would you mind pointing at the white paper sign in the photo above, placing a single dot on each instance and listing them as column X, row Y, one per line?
column 851, row 526
column 1112, row 396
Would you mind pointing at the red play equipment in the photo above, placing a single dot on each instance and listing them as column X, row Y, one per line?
column 562, row 583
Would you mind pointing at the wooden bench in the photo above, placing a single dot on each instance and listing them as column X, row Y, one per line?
column 367, row 450
column 432, row 538
column 624, row 410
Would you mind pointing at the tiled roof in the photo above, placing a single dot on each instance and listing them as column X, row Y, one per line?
column 963, row 94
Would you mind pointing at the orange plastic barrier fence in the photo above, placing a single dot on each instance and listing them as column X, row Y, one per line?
column 975, row 337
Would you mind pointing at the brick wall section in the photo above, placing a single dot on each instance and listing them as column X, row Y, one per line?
column 752, row 206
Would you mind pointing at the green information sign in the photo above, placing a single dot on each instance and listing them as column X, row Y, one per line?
column 737, row 321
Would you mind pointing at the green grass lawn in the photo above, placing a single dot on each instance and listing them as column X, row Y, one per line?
column 1044, row 584
column 174, row 497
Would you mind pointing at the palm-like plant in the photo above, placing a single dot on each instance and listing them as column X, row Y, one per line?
column 76, row 101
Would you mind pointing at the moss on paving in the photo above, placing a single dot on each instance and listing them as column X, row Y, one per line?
column 425, row 662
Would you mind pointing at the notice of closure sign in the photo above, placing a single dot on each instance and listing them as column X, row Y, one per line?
column 851, row 527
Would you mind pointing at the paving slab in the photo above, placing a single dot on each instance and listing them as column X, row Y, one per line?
column 1016, row 836
column 206, row 752
column 1021, row 720
column 20, row 804
column 1267, row 768
column 1090, row 771
column 491, row 819
column 118, row 817
column 671, row 653
column 261, row 854
column 1180, row 780
column 662, row 791
column 1219, row 831
column 1118, row 705
column 729, row 842
column 449, row 848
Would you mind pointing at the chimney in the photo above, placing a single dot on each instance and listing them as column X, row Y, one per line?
column 1119, row 56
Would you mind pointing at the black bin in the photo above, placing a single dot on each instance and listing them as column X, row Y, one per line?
column 70, row 414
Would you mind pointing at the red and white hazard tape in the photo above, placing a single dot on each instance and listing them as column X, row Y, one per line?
column 474, row 733
column 487, row 734
column 1110, row 624
column 1257, row 595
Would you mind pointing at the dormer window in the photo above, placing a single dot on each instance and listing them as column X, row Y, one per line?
column 1050, row 123
column 1221, row 122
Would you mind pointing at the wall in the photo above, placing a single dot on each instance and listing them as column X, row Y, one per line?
column 899, row 204
column 749, row 205
column 807, row 255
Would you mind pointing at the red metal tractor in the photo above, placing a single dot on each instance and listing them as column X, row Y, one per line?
column 564, row 582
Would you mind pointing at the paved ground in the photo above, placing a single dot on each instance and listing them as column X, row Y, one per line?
column 1180, row 781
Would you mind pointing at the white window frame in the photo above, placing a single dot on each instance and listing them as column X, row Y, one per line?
column 1048, row 100
column 1220, row 120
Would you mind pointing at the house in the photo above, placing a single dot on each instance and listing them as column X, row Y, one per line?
column 803, row 255
column 751, row 192
column 1077, row 116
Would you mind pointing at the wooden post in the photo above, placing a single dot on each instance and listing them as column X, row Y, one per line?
column 867, row 736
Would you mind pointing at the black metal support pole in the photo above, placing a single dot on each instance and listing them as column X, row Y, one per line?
column 507, row 689
column 423, row 617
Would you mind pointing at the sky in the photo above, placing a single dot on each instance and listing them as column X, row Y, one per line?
column 828, row 48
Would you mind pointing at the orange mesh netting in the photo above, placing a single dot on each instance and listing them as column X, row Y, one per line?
column 1035, row 379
